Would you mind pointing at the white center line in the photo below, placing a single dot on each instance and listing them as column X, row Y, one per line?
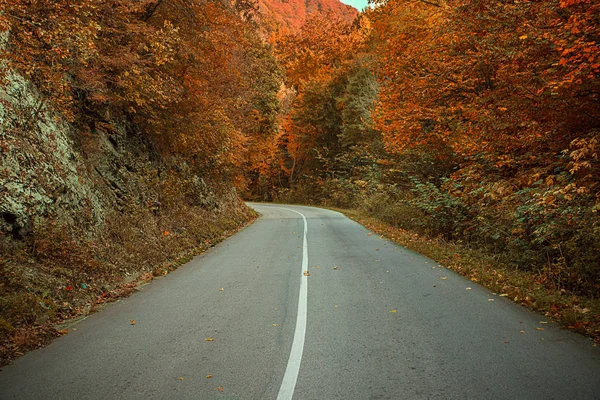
column 286, row 391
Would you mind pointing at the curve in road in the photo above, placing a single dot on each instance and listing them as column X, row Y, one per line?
column 381, row 322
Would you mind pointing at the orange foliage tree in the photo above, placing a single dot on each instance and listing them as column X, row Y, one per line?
column 510, row 90
column 188, row 73
column 317, row 60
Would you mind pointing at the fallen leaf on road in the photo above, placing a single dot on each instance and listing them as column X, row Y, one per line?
column 376, row 249
column 208, row 376
column 543, row 322
column 539, row 329
column 387, row 270
column 306, row 273
column 490, row 299
column 336, row 267
column 220, row 388
column 293, row 233
column 474, row 279
column 180, row 378
column 468, row 288
column 132, row 321
column 63, row 331
column 221, row 289
column 522, row 331
column 275, row 324
column 335, row 306
column 209, row 339
column 444, row 278
column 503, row 295
column 393, row 311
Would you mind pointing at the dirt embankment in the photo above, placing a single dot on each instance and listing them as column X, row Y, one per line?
column 87, row 211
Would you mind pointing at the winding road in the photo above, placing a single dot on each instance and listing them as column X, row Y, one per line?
column 308, row 304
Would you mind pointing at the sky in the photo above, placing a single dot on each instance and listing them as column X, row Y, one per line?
column 358, row 4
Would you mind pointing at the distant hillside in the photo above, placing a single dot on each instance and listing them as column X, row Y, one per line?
column 289, row 15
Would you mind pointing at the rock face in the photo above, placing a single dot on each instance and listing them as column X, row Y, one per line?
column 50, row 172
column 40, row 170
column 288, row 15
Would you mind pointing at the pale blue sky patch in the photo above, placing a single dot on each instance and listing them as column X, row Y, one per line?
column 358, row 4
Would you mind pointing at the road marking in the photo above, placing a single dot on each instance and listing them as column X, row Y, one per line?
column 286, row 391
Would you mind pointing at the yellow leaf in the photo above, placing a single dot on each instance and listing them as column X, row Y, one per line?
column 468, row 288
column 444, row 278
column 132, row 321
column 503, row 295
column 543, row 322
column 275, row 324
column 209, row 339
column 306, row 273
column 523, row 37
column 393, row 311
column 336, row 267
column 208, row 376
column 539, row 329
column 221, row 289
column 180, row 378
column 522, row 331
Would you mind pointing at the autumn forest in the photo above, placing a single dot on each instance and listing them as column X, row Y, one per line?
column 465, row 122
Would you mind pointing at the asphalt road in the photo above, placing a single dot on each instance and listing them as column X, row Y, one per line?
column 385, row 324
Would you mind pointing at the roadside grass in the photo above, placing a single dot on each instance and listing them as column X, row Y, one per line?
column 577, row 313
column 60, row 276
